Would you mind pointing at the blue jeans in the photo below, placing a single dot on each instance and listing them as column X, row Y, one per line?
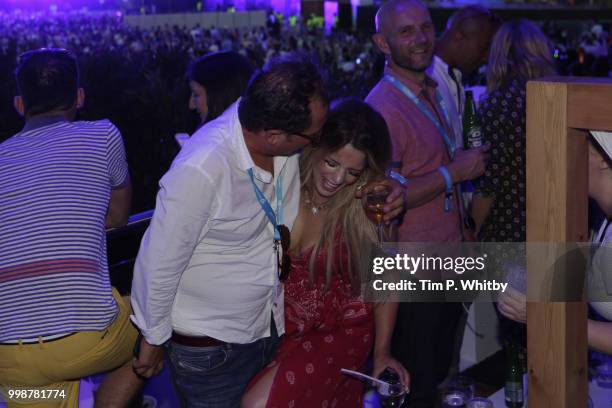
column 216, row 377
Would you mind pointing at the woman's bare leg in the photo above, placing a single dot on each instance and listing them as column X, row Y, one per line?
column 257, row 396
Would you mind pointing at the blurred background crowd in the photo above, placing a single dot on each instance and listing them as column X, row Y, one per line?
column 136, row 77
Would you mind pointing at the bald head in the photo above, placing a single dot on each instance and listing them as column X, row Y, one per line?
column 468, row 19
column 386, row 12
column 406, row 35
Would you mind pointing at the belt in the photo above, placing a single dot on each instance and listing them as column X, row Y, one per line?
column 196, row 341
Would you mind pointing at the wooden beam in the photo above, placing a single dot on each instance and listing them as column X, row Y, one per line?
column 556, row 213
column 588, row 101
column 556, row 355
column 590, row 106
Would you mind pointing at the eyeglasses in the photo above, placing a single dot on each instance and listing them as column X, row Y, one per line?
column 284, row 262
column 313, row 139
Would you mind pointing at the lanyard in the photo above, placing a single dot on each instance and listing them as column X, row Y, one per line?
column 274, row 219
column 450, row 146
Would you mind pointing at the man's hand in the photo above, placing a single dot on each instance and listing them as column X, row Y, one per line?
column 150, row 360
column 468, row 164
column 395, row 200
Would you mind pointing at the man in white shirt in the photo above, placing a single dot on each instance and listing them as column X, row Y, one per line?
column 461, row 50
column 207, row 273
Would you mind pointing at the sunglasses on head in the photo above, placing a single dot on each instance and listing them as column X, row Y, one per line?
column 284, row 264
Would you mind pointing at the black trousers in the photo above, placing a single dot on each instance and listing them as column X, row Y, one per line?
column 423, row 342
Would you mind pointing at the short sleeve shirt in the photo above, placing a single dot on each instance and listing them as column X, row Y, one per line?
column 418, row 149
column 55, row 186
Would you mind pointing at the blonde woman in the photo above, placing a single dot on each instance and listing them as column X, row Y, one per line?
column 519, row 52
column 328, row 326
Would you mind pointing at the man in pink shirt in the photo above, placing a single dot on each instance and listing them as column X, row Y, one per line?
column 424, row 152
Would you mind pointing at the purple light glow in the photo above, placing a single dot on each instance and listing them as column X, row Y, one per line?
column 44, row 5
column 330, row 11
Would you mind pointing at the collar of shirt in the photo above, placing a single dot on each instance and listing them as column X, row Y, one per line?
column 42, row 120
column 428, row 86
column 444, row 70
column 243, row 157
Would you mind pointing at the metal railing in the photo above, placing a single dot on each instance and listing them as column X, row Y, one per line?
column 122, row 246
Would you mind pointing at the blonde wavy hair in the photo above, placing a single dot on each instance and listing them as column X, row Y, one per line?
column 519, row 50
column 356, row 123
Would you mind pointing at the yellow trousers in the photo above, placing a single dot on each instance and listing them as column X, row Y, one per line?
column 60, row 364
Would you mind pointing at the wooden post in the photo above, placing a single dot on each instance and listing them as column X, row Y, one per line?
column 558, row 113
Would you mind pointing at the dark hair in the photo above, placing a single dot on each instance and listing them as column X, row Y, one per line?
column 224, row 75
column 458, row 19
column 355, row 122
column 279, row 95
column 47, row 80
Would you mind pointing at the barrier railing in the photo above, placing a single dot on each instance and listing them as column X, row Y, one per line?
column 122, row 246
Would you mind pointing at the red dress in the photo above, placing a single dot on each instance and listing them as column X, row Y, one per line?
column 325, row 330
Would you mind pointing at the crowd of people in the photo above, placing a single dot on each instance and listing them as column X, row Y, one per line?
column 249, row 280
column 136, row 77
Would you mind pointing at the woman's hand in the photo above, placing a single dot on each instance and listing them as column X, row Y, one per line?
column 385, row 360
column 513, row 305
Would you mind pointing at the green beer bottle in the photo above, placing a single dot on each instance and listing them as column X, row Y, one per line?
column 472, row 133
column 513, row 388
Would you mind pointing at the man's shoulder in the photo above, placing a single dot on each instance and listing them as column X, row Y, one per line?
column 102, row 124
column 436, row 65
column 209, row 149
column 438, row 71
column 385, row 99
column 213, row 136
column 62, row 133
column 382, row 96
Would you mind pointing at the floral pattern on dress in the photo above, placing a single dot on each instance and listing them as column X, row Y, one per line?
column 503, row 119
column 503, row 116
column 327, row 327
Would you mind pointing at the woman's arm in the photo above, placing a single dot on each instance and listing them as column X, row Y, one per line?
column 481, row 205
column 600, row 336
column 384, row 320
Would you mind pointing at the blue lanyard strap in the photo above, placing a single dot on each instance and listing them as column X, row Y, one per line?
column 277, row 219
column 450, row 146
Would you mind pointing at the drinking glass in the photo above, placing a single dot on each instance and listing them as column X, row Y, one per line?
column 462, row 384
column 479, row 403
column 374, row 201
column 391, row 395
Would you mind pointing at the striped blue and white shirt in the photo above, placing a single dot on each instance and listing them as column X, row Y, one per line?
column 56, row 179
